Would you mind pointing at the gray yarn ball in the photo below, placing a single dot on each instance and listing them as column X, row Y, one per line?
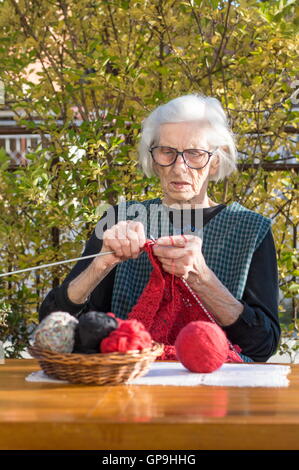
column 56, row 332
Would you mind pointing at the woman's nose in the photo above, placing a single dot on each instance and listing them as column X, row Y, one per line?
column 180, row 162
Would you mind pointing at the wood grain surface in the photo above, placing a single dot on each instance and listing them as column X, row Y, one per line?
column 50, row 416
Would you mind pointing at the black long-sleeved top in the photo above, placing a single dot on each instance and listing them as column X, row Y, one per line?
column 257, row 329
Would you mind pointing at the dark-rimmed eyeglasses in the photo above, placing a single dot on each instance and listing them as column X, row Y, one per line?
column 193, row 158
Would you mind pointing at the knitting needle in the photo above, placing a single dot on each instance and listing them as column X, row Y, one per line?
column 61, row 262
column 57, row 262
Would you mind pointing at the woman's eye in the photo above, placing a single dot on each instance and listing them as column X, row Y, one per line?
column 168, row 152
column 194, row 153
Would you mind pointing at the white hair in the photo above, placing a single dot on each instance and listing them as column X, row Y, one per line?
column 197, row 107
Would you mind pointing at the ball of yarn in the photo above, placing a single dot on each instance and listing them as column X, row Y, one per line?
column 93, row 327
column 56, row 332
column 201, row 346
column 131, row 335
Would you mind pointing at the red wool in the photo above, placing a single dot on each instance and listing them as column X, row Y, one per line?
column 166, row 306
column 202, row 347
column 129, row 336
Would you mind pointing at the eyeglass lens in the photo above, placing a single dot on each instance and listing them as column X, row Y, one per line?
column 166, row 155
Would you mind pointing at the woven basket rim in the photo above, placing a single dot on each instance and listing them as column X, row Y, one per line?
column 98, row 358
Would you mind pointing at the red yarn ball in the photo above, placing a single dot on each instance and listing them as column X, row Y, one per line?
column 130, row 335
column 201, row 346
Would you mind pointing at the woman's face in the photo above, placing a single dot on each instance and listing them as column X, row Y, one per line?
column 180, row 183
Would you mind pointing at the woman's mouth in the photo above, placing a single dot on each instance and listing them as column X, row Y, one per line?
column 180, row 185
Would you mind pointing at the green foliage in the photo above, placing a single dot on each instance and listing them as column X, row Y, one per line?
column 83, row 75
column 289, row 343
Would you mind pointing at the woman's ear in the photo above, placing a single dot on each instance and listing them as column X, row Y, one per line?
column 214, row 164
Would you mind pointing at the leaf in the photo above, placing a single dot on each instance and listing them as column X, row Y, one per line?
column 141, row 59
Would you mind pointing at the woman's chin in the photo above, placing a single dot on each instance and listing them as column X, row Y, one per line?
column 179, row 196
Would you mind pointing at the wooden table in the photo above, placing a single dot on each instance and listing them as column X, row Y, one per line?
column 63, row 416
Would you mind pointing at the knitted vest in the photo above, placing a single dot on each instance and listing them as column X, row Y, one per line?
column 229, row 241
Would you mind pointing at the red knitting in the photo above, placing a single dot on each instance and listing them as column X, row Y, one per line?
column 166, row 306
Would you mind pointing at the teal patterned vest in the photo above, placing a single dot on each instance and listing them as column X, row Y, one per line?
column 229, row 241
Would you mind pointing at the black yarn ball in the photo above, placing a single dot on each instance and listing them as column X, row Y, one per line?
column 92, row 328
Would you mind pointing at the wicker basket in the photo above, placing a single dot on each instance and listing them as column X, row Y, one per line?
column 101, row 369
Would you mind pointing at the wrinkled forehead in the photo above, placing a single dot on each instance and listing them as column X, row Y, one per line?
column 183, row 135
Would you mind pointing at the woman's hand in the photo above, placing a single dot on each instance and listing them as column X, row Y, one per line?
column 126, row 239
column 182, row 256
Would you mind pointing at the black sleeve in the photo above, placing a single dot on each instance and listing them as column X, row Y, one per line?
column 257, row 330
column 100, row 298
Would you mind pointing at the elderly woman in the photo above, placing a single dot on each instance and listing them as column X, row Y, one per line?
column 228, row 260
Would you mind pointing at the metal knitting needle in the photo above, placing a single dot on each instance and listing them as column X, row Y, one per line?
column 57, row 262
column 61, row 262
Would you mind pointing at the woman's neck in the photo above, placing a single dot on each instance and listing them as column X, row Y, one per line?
column 189, row 204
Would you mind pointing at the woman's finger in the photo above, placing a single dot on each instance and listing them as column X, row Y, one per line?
column 127, row 234
column 169, row 252
column 139, row 229
column 112, row 243
column 172, row 269
column 172, row 240
column 166, row 261
column 134, row 243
